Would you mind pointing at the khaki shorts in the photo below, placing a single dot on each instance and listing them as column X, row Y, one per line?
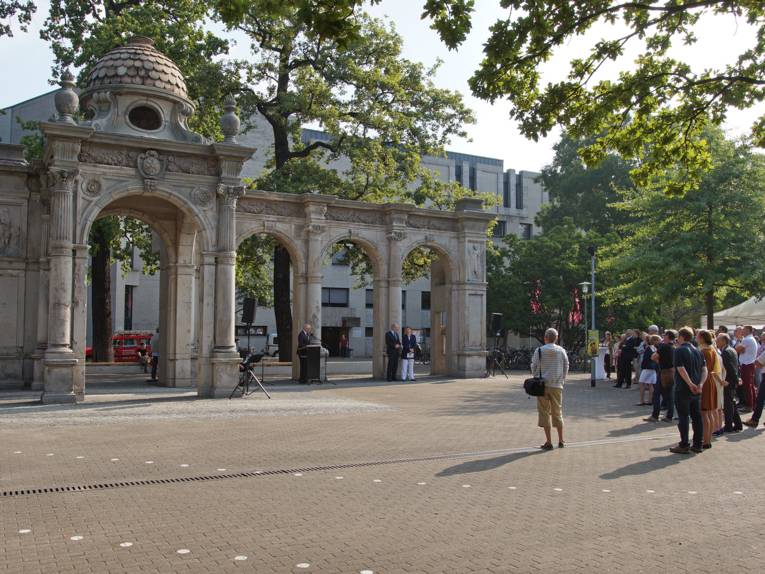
column 550, row 408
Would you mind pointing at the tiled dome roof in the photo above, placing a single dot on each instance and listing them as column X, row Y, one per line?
column 138, row 62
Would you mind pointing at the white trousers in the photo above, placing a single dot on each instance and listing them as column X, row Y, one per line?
column 407, row 366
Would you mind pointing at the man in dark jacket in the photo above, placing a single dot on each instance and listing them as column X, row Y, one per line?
column 304, row 339
column 393, row 350
column 628, row 353
column 730, row 364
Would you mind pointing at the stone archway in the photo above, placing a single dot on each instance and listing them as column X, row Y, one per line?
column 102, row 164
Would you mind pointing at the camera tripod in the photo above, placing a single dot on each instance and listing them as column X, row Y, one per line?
column 246, row 378
column 492, row 362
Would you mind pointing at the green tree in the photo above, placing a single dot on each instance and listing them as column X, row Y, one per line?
column 534, row 282
column 584, row 194
column 21, row 10
column 656, row 108
column 378, row 112
column 702, row 248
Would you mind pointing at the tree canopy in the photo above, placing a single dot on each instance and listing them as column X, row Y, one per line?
column 703, row 247
column 656, row 108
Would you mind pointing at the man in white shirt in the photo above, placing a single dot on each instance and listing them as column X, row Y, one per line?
column 551, row 363
column 760, row 403
column 747, row 355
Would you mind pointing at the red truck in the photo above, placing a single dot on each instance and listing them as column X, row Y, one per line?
column 126, row 345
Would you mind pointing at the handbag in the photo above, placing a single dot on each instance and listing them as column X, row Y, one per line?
column 535, row 386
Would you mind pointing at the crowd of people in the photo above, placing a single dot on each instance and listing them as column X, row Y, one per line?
column 709, row 378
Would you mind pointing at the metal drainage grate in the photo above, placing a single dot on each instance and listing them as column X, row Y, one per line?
column 274, row 472
column 234, row 475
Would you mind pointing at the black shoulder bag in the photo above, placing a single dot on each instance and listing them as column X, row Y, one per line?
column 535, row 386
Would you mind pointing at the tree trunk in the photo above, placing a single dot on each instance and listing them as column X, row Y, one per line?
column 282, row 307
column 709, row 301
column 102, row 296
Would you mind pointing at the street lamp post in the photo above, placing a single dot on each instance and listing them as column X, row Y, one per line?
column 585, row 286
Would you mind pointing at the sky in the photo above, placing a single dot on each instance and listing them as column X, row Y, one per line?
column 26, row 61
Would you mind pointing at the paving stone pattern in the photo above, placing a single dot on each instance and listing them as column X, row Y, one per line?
column 614, row 500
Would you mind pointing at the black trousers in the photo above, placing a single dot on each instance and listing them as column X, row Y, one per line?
column 392, row 367
column 154, row 366
column 303, row 369
column 688, row 406
column 624, row 372
column 730, row 408
column 607, row 365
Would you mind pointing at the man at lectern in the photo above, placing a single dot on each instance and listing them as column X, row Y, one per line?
column 304, row 339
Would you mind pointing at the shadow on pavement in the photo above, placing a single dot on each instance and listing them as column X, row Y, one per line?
column 645, row 466
column 485, row 464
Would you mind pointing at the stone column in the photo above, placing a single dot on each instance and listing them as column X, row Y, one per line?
column 60, row 361
column 379, row 317
column 225, row 356
column 80, row 317
column 38, row 376
column 394, row 277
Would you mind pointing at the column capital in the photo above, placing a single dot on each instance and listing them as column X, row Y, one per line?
column 61, row 179
column 230, row 193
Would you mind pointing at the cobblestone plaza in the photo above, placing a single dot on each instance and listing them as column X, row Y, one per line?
column 436, row 476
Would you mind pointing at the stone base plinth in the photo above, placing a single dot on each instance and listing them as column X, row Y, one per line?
column 60, row 378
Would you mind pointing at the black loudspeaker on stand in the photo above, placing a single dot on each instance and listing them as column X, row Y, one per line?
column 248, row 316
column 493, row 364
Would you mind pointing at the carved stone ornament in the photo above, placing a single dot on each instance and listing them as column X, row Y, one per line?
column 106, row 155
column 258, row 207
column 202, row 196
column 230, row 193
column 151, row 165
column 66, row 99
column 434, row 223
column 116, row 156
column 150, row 185
column 61, row 179
column 397, row 235
column 229, row 121
column 475, row 262
column 355, row 215
column 92, row 187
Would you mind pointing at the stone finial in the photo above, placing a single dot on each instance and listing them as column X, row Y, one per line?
column 66, row 99
column 229, row 121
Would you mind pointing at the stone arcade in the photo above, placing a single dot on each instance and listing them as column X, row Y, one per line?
column 134, row 155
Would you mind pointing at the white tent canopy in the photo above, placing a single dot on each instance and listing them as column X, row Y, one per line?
column 750, row 312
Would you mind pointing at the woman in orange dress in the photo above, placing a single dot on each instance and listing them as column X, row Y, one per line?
column 709, row 390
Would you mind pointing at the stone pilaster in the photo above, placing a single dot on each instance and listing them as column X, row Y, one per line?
column 394, row 277
column 60, row 361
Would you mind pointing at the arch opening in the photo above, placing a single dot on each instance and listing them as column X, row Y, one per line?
column 138, row 280
column 260, row 259
column 426, row 308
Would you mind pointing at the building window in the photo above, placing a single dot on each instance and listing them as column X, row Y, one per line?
column 334, row 297
column 370, row 298
column 506, row 191
column 369, row 331
column 519, row 192
column 458, row 173
column 500, row 228
column 473, row 178
column 403, row 299
column 340, row 258
column 128, row 326
column 526, row 230
column 425, row 300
